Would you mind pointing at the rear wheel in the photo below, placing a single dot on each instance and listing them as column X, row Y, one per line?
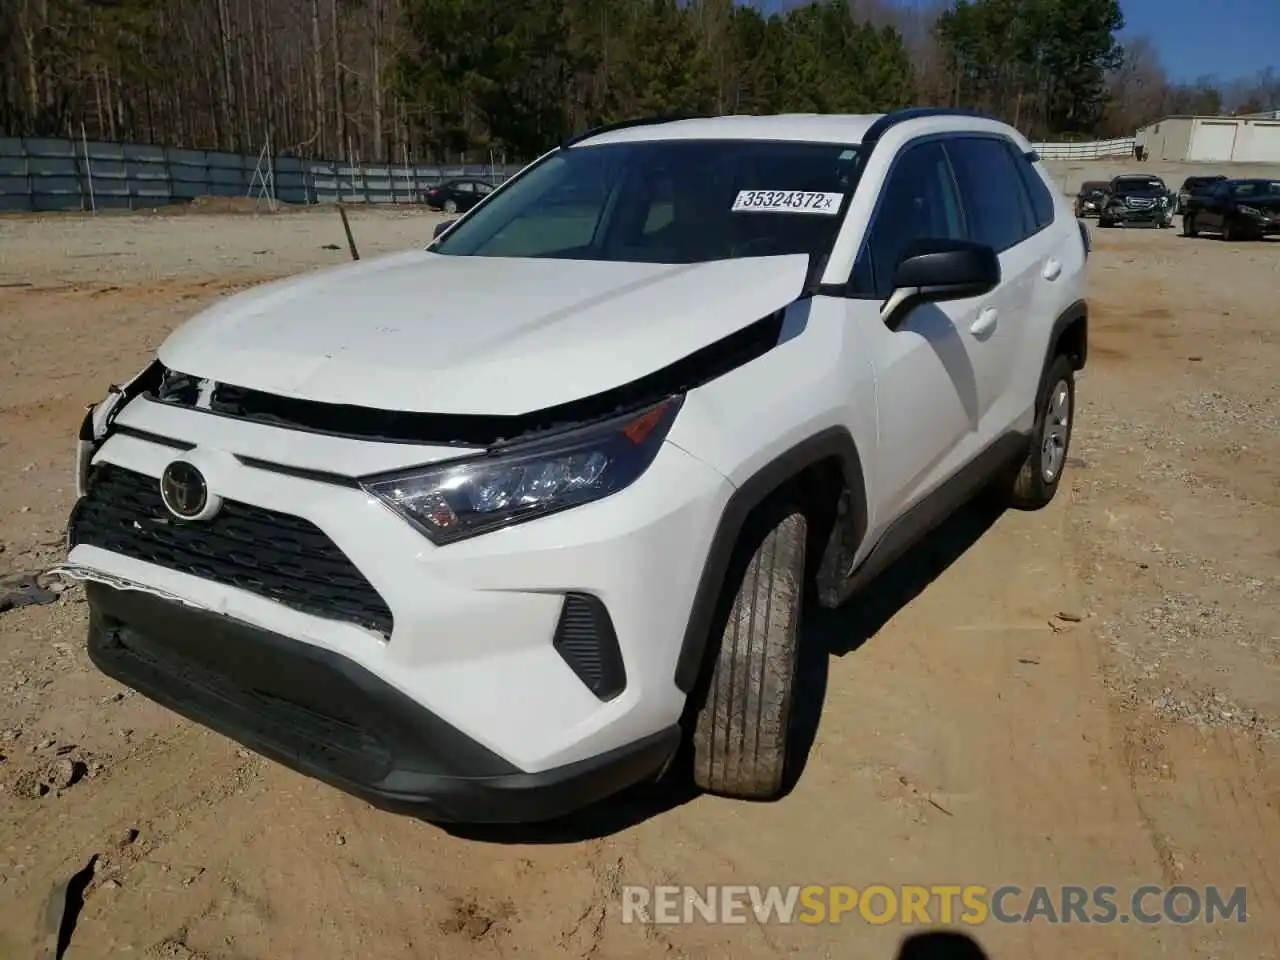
column 1034, row 482
column 450, row 206
column 740, row 733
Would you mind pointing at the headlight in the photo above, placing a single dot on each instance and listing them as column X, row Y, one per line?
column 1251, row 211
column 452, row 501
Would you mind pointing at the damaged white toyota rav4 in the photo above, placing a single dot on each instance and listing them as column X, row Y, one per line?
column 488, row 530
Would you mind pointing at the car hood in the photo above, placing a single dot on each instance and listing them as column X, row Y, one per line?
column 418, row 331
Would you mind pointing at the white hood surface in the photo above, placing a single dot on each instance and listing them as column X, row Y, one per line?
column 421, row 332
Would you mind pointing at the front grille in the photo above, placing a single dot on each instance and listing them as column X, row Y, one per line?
column 274, row 555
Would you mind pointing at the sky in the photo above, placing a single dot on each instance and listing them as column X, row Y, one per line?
column 1230, row 38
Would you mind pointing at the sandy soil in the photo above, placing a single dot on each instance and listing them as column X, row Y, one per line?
column 963, row 732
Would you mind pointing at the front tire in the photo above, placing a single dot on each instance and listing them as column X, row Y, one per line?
column 1189, row 228
column 1036, row 479
column 741, row 731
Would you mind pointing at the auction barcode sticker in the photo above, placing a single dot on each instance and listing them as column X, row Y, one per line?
column 788, row 201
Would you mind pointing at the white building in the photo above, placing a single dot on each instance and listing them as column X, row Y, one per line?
column 1213, row 139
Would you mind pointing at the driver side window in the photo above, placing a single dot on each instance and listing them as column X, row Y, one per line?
column 918, row 201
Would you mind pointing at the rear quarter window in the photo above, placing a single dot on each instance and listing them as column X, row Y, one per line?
column 1037, row 190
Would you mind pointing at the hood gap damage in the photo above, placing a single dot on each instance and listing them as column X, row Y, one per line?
column 471, row 430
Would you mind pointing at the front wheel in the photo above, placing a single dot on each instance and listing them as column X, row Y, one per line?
column 1189, row 228
column 740, row 734
column 1233, row 232
column 1036, row 479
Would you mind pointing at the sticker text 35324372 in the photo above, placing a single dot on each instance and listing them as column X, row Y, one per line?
column 787, row 201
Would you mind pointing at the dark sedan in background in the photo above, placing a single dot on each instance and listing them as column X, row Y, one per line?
column 1089, row 199
column 458, row 196
column 1236, row 210
column 1196, row 185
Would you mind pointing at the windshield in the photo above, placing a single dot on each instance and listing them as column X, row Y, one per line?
column 1138, row 184
column 1256, row 188
column 668, row 201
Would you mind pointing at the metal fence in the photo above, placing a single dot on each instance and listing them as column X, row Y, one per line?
column 1086, row 150
column 40, row 175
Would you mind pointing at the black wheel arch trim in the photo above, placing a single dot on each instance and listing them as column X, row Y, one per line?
column 832, row 442
column 1079, row 310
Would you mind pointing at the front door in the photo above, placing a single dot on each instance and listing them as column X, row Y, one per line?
column 927, row 395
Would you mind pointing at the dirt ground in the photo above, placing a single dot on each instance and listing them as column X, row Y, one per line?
column 1085, row 695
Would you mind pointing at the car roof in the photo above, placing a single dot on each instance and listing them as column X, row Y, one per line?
column 812, row 127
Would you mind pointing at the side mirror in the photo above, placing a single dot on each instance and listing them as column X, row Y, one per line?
column 441, row 228
column 932, row 271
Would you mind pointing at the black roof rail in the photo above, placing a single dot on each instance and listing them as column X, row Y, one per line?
column 570, row 140
column 891, row 120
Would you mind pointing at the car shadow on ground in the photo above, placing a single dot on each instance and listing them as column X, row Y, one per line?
column 836, row 633
column 940, row 945
column 826, row 633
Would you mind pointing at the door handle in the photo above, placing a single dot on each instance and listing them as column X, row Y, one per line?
column 985, row 323
column 1052, row 268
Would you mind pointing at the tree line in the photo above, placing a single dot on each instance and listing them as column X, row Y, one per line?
column 396, row 80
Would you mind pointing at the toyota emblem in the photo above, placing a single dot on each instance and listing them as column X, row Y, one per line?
column 184, row 490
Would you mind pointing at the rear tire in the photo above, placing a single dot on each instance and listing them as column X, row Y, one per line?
column 1034, row 482
column 450, row 206
column 741, row 731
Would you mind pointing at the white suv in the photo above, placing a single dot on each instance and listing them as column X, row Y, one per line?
column 488, row 530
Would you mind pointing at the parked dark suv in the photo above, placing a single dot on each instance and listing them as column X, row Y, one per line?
column 1196, row 185
column 1089, row 199
column 1139, row 200
column 1235, row 209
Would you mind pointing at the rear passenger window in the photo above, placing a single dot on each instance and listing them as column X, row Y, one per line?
column 1037, row 191
column 991, row 190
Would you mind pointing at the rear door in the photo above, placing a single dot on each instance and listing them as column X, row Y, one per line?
column 998, row 213
column 1209, row 213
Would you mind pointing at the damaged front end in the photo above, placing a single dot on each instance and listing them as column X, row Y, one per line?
column 98, row 418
